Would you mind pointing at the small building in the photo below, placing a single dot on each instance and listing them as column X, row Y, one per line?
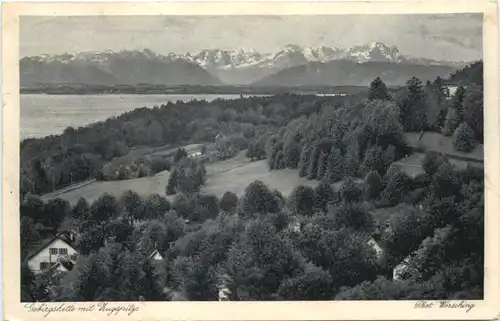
column 53, row 252
column 452, row 89
column 375, row 245
column 404, row 267
column 294, row 224
column 195, row 154
column 219, row 136
column 371, row 239
column 155, row 256
column 224, row 291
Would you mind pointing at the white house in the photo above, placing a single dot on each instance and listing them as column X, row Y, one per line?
column 224, row 291
column 219, row 136
column 376, row 246
column 195, row 154
column 49, row 255
column 156, row 256
column 401, row 268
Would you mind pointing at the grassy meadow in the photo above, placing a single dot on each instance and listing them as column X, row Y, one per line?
column 233, row 175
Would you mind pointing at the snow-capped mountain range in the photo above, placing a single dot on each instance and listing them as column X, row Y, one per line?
column 235, row 67
column 292, row 55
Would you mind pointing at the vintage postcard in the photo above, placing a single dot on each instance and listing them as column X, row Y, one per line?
column 251, row 161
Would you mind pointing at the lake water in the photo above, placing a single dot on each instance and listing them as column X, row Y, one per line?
column 43, row 115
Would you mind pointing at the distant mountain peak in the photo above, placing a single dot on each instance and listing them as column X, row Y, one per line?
column 244, row 65
column 293, row 47
column 125, row 67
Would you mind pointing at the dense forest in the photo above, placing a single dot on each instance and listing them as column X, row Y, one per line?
column 472, row 73
column 310, row 245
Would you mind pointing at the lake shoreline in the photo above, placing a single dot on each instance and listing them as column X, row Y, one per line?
column 188, row 90
column 44, row 115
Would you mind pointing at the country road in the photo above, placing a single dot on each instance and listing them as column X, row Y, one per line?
column 48, row 196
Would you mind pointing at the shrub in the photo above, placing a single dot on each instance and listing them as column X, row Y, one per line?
column 350, row 191
column 463, row 138
column 258, row 199
column 228, row 202
column 301, row 200
column 396, row 188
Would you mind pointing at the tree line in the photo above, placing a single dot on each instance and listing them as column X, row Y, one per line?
column 353, row 139
column 80, row 153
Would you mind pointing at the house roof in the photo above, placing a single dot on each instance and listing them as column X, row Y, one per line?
column 61, row 236
column 153, row 254
column 364, row 235
column 430, row 141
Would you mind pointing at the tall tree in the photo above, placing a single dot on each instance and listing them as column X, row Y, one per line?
column 378, row 90
column 350, row 191
column 259, row 262
column 351, row 215
column 229, row 202
column 182, row 205
column 457, row 103
column 351, row 160
column 322, row 165
column 155, row 206
column 335, row 166
column 374, row 160
column 473, row 113
column 81, row 211
column 373, row 182
column 408, row 228
column 258, row 199
column 304, row 160
column 464, row 139
column 396, row 188
column 413, row 106
column 445, row 182
column 104, row 208
column 323, row 194
column 292, row 154
column 206, row 207
column 313, row 162
column 29, row 234
column 132, row 205
column 301, row 201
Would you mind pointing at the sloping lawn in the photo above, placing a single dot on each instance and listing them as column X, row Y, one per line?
column 230, row 175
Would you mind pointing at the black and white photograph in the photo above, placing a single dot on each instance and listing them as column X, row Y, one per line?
column 326, row 157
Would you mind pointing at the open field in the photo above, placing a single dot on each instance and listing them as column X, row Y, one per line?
column 230, row 175
column 429, row 141
column 144, row 186
column 237, row 173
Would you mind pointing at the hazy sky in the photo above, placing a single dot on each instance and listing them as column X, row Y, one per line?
column 450, row 37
